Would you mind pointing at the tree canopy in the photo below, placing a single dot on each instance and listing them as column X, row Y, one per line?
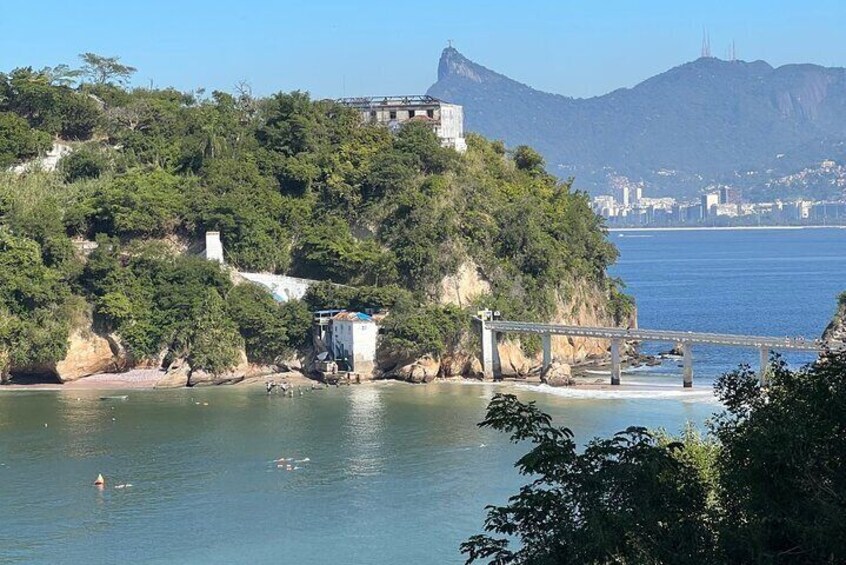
column 766, row 485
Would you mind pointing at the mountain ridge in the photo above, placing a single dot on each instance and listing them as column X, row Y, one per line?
column 702, row 122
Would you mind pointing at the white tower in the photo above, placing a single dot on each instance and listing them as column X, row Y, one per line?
column 214, row 248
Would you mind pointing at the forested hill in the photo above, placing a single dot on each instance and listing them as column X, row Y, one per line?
column 295, row 186
column 742, row 123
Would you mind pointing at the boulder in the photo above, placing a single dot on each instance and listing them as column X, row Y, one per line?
column 557, row 374
column 473, row 368
column 289, row 365
column 512, row 361
column 424, row 370
column 232, row 376
column 88, row 353
column 176, row 376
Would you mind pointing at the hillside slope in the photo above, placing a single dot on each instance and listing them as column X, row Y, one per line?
column 704, row 121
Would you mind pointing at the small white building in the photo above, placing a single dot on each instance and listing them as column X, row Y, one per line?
column 353, row 341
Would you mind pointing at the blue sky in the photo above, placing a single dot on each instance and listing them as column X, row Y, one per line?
column 334, row 48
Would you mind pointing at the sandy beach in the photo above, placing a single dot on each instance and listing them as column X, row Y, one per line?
column 141, row 379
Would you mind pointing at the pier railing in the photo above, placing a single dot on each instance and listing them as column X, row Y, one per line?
column 617, row 336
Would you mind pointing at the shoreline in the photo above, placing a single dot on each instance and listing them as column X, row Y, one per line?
column 726, row 228
column 586, row 387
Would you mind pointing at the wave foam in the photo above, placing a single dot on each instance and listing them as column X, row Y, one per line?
column 575, row 392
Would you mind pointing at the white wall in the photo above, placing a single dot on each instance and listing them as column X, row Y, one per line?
column 356, row 341
column 286, row 288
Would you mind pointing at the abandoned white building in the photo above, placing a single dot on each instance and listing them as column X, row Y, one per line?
column 446, row 120
column 351, row 337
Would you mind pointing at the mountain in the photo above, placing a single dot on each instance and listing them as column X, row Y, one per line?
column 704, row 122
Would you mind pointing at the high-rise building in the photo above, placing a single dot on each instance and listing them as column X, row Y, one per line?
column 624, row 195
column 710, row 201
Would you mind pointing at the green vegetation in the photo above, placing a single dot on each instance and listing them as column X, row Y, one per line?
column 295, row 186
column 766, row 485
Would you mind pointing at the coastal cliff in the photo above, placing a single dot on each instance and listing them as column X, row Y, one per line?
column 834, row 335
column 389, row 219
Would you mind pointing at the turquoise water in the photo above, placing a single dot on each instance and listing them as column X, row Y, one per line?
column 396, row 473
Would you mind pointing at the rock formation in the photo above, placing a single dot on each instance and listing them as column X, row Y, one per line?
column 88, row 353
column 557, row 374
column 835, row 333
column 176, row 376
column 424, row 370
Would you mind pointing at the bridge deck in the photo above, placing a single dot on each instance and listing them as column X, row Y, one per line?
column 785, row 343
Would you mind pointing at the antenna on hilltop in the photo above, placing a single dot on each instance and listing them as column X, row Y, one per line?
column 706, row 44
column 732, row 52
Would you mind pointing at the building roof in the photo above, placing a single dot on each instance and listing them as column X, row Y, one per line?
column 352, row 317
column 364, row 102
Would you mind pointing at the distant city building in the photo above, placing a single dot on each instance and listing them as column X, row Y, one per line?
column 709, row 202
column 729, row 195
column 446, row 120
column 605, row 206
column 624, row 193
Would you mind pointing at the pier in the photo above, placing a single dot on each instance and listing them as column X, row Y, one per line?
column 491, row 328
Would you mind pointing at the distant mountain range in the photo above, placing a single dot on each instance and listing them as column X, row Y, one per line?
column 706, row 122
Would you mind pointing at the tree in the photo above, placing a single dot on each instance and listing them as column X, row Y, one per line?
column 260, row 321
column 18, row 141
column 527, row 159
column 626, row 499
column 140, row 204
column 781, row 468
column 105, row 70
column 767, row 485
column 35, row 307
column 215, row 342
column 84, row 163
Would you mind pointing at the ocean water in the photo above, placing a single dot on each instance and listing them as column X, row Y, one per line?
column 767, row 282
column 395, row 473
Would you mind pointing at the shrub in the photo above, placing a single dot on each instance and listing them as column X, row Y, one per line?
column 84, row 163
column 18, row 141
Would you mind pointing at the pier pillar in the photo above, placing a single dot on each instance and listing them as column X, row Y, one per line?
column 488, row 347
column 687, row 374
column 547, row 352
column 765, row 365
column 615, row 362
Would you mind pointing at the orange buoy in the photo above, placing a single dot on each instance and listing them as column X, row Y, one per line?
column 100, row 481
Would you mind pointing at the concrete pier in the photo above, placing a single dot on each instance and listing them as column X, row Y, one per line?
column 687, row 374
column 488, row 345
column 615, row 362
column 491, row 327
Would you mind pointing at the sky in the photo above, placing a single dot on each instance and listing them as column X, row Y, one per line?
column 344, row 48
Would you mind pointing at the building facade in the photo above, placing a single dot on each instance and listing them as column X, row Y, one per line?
column 353, row 337
column 446, row 120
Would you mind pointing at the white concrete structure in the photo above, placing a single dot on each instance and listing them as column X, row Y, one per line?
column 446, row 120
column 353, row 341
column 283, row 287
column 214, row 248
